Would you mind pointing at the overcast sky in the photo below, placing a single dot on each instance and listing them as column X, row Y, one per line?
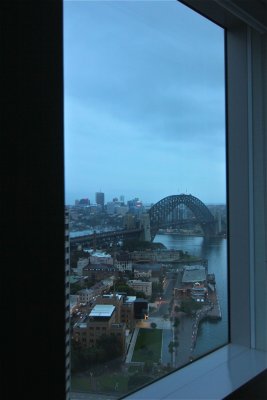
column 144, row 101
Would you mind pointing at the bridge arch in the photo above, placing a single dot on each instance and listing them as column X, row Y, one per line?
column 162, row 213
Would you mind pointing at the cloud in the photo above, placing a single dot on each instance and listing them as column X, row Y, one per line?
column 144, row 99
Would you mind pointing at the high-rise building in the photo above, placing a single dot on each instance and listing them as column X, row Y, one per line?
column 100, row 198
column 84, row 202
column 67, row 304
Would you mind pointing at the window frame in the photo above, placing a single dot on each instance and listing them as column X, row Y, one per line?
column 33, row 205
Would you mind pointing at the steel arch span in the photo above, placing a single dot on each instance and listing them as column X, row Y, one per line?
column 163, row 213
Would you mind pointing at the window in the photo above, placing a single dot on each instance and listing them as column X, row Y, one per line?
column 245, row 66
column 33, row 39
column 152, row 108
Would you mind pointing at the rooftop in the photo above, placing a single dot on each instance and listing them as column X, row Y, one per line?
column 191, row 274
column 99, row 253
column 130, row 299
column 110, row 296
column 102, row 310
column 81, row 325
column 85, row 291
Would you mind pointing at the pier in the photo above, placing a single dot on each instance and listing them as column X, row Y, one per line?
column 212, row 311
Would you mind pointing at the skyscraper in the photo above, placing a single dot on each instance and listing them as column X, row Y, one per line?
column 100, row 198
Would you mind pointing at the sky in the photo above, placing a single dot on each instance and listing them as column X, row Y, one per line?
column 144, row 101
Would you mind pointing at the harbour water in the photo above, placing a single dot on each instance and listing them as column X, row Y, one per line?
column 211, row 335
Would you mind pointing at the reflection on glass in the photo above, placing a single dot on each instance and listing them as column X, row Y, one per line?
column 145, row 179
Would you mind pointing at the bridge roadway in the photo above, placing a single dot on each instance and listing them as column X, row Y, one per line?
column 102, row 236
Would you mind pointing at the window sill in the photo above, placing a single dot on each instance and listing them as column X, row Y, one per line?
column 215, row 376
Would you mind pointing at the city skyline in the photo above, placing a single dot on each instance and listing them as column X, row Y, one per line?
column 144, row 102
column 121, row 198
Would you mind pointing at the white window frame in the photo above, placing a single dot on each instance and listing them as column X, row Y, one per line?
column 223, row 371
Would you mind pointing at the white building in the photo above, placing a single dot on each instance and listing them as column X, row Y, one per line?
column 99, row 257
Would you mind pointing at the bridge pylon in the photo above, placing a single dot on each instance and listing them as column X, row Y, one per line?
column 145, row 225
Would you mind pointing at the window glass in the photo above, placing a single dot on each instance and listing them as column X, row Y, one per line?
column 145, row 189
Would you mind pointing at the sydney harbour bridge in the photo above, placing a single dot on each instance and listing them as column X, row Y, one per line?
column 163, row 214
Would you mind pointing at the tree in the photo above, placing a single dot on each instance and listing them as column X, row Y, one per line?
column 140, row 295
column 136, row 244
column 123, row 287
column 190, row 306
column 176, row 322
column 75, row 287
column 110, row 345
column 82, row 359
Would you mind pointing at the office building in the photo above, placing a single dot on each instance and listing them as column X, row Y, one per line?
column 100, row 199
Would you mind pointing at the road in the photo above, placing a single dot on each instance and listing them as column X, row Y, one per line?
column 185, row 327
column 164, row 324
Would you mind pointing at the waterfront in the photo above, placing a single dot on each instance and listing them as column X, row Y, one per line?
column 211, row 335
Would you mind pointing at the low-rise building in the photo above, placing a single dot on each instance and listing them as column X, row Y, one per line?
column 86, row 295
column 97, row 272
column 101, row 321
column 140, row 286
column 193, row 274
column 127, row 311
column 114, row 299
column 142, row 274
column 124, row 307
column 140, row 309
column 194, row 283
column 123, row 262
column 100, row 257
column 158, row 256
column 199, row 292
